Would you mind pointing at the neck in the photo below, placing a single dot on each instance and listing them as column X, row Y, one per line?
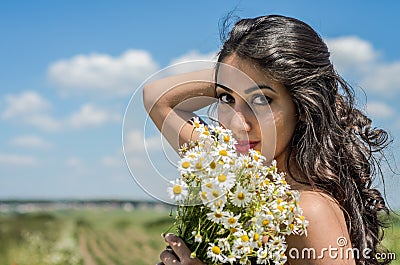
column 294, row 177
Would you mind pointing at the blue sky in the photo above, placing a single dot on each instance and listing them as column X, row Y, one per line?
column 69, row 68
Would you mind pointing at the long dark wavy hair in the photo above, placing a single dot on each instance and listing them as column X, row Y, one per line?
column 334, row 144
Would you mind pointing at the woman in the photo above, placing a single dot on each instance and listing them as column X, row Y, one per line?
column 323, row 143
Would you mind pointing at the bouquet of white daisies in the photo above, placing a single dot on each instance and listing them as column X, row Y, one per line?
column 231, row 207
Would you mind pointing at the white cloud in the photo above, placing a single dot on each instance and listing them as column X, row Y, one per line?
column 383, row 77
column 379, row 110
column 135, row 142
column 26, row 103
column 90, row 115
column 30, row 108
column 102, row 72
column 194, row 55
column 191, row 61
column 17, row 160
column 73, row 162
column 358, row 58
column 351, row 50
column 30, row 141
column 111, row 161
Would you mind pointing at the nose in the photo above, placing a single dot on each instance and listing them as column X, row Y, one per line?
column 239, row 123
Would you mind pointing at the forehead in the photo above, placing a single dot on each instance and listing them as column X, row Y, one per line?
column 239, row 74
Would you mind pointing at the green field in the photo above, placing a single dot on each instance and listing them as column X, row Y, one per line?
column 98, row 237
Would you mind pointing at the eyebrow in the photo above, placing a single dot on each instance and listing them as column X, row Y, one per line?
column 250, row 89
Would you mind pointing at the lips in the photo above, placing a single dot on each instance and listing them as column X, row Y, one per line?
column 243, row 146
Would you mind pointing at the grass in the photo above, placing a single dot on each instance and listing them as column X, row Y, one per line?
column 99, row 237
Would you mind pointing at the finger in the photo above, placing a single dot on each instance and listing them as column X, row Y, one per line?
column 178, row 246
column 168, row 258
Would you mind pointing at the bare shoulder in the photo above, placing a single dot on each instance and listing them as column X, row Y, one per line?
column 327, row 227
column 320, row 205
column 323, row 213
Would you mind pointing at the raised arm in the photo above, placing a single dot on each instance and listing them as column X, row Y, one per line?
column 171, row 102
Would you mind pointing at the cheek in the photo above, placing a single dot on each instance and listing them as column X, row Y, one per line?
column 268, row 133
column 277, row 131
column 285, row 124
column 224, row 116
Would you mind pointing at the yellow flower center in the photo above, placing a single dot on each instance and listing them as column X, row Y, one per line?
column 206, row 133
column 177, row 189
column 221, row 178
column 204, row 195
column 245, row 238
column 186, row 164
column 199, row 165
column 256, row 236
column 280, row 208
column 216, row 250
column 231, row 220
column 241, row 196
column 213, row 165
column 291, row 226
column 301, row 217
column 209, row 185
column 215, row 193
column 223, row 152
column 265, row 222
column 264, row 254
column 227, row 138
column 218, row 215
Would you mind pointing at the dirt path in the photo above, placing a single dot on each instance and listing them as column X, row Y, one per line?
column 87, row 258
column 97, row 251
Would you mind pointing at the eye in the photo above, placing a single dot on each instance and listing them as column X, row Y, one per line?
column 226, row 98
column 261, row 100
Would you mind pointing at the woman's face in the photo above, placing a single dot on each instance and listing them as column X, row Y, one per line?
column 259, row 111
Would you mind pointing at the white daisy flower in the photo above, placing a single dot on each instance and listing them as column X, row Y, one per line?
column 266, row 220
column 185, row 165
column 198, row 237
column 223, row 243
column 217, row 216
column 214, row 196
column 231, row 221
column 241, row 197
column 244, row 260
column 177, row 190
column 226, row 180
column 301, row 223
column 230, row 259
column 255, row 239
column 263, row 256
column 224, row 154
column 257, row 159
column 215, row 253
column 241, row 244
